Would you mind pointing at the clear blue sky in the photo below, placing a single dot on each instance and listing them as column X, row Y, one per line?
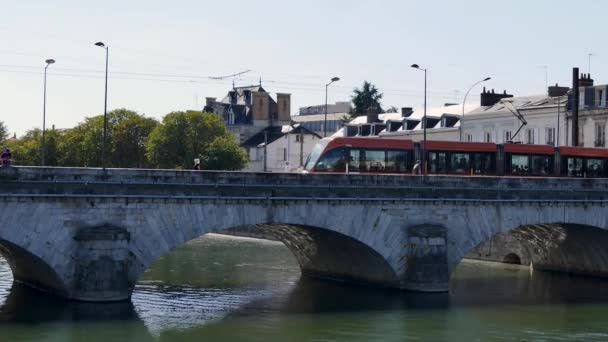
column 162, row 51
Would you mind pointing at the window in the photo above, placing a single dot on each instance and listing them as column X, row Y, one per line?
column 530, row 136
column 550, row 136
column 333, row 161
column 396, row 161
column 469, row 137
column 532, row 165
column 300, row 138
column 508, row 135
column 600, row 134
column 282, row 154
column 439, row 162
column 460, row 162
column 599, row 98
column 488, row 137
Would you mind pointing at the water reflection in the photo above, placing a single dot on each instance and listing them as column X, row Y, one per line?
column 220, row 288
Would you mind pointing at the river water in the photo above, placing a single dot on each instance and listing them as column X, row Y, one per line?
column 221, row 288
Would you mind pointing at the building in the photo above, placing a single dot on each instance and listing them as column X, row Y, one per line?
column 548, row 118
column 248, row 110
column 441, row 124
column 315, row 122
column 338, row 107
column 503, row 118
column 280, row 148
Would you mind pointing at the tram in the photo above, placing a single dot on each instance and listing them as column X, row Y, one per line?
column 397, row 156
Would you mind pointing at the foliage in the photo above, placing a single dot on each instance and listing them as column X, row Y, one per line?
column 127, row 136
column 3, row 132
column 392, row 109
column 367, row 99
column 183, row 136
column 224, row 153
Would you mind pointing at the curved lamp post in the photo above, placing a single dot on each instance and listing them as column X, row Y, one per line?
column 416, row 66
column 465, row 100
column 334, row 79
column 105, row 110
column 43, row 147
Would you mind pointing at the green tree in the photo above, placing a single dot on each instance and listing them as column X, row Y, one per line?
column 127, row 138
column 224, row 153
column 183, row 136
column 3, row 132
column 366, row 99
column 27, row 149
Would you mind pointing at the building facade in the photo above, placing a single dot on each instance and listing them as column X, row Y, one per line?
column 280, row 148
column 248, row 110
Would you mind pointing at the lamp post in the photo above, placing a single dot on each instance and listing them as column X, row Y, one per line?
column 43, row 147
column 105, row 110
column 416, row 66
column 334, row 79
column 465, row 100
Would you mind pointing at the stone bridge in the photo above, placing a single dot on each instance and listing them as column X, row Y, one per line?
column 89, row 234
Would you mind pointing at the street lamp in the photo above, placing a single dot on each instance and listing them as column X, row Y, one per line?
column 105, row 109
column 465, row 100
column 334, row 79
column 416, row 66
column 43, row 147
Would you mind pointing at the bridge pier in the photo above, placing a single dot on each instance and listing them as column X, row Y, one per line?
column 102, row 264
column 427, row 267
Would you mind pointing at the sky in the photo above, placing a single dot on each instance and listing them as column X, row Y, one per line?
column 163, row 54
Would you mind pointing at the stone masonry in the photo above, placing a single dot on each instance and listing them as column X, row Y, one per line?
column 89, row 234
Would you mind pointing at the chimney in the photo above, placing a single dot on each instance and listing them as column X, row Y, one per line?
column 575, row 85
column 491, row 98
column 585, row 80
column 556, row 90
column 232, row 94
column 406, row 112
column 372, row 114
column 284, row 106
column 209, row 101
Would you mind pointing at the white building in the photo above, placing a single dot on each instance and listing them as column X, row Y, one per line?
column 441, row 124
column 497, row 124
column 548, row 117
column 280, row 148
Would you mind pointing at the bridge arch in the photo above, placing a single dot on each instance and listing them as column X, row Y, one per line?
column 325, row 244
column 28, row 268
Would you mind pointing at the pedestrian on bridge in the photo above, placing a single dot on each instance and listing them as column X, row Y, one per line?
column 417, row 168
column 6, row 157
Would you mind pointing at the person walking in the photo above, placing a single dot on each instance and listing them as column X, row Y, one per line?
column 417, row 168
column 6, row 157
column 197, row 164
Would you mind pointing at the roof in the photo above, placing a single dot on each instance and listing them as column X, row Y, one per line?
column 270, row 134
column 319, row 117
column 241, row 95
column 521, row 103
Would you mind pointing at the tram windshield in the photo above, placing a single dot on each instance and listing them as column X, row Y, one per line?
column 316, row 153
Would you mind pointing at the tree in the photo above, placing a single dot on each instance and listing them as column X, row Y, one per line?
column 127, row 137
column 3, row 132
column 183, row 136
column 367, row 99
column 392, row 109
column 224, row 153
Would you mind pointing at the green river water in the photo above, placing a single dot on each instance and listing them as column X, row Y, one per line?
column 221, row 288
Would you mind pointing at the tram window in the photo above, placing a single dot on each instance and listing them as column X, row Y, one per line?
column 439, row 162
column 333, row 161
column 594, row 168
column 459, row 162
column 573, row 167
column 376, row 160
column 396, row 161
column 355, row 162
column 483, row 163
column 519, row 164
column 541, row 165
